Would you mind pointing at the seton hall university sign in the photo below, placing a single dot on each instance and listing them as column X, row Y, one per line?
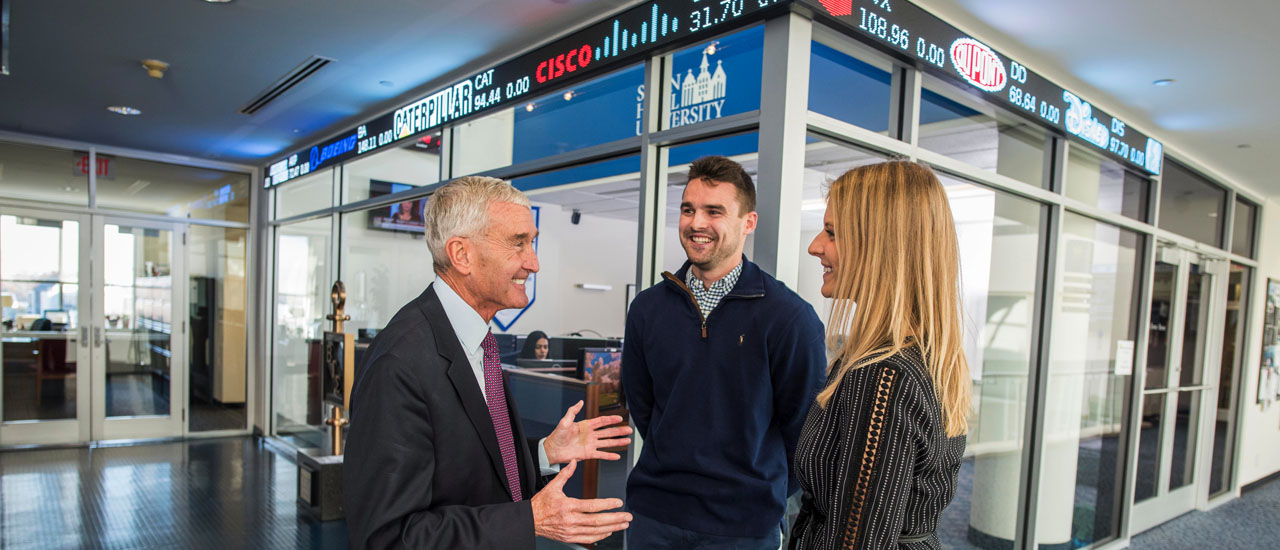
column 697, row 98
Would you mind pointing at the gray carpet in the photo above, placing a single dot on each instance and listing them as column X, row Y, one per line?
column 1247, row 522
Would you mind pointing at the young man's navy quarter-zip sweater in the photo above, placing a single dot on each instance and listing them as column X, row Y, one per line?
column 720, row 401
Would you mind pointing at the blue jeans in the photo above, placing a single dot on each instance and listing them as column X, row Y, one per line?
column 647, row 533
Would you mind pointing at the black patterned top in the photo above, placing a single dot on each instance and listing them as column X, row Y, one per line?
column 876, row 465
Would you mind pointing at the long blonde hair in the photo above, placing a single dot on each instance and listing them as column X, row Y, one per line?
column 900, row 265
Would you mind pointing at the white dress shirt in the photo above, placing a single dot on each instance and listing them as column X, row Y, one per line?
column 471, row 330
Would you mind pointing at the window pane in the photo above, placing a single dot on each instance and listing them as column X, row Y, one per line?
column 394, row 169
column 588, row 226
column 1186, row 418
column 1191, row 205
column 1149, row 446
column 385, row 264
column 998, row 233
column 308, row 193
column 957, row 124
column 1093, row 318
column 999, row 238
column 1246, row 220
column 844, row 87
column 39, row 317
column 217, row 265
column 824, row 161
column 1104, row 183
column 302, row 300
column 139, row 301
column 1228, row 391
column 173, row 190
column 598, row 111
column 1159, row 337
column 43, row 174
column 717, row 78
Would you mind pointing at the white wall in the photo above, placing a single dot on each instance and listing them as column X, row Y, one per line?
column 1259, row 454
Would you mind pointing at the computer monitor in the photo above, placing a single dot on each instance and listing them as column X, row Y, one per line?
column 59, row 318
column 571, row 346
column 563, row 367
column 603, row 366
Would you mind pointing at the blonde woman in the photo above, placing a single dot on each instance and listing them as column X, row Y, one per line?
column 883, row 442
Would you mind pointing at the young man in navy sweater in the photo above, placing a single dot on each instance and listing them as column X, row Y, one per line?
column 720, row 364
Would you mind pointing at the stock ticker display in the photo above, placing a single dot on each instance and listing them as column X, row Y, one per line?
column 895, row 26
column 928, row 42
column 601, row 47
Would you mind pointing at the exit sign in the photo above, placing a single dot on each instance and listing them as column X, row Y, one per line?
column 82, row 166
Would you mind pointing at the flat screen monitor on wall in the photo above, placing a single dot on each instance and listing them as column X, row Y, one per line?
column 405, row 216
column 603, row 366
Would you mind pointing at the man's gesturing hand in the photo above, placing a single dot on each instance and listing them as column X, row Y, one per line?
column 583, row 440
column 558, row 517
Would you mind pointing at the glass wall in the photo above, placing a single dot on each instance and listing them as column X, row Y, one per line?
column 1094, row 319
column 1224, row 426
column 217, row 266
column 849, row 85
column 40, row 293
column 1191, row 205
column 602, row 110
column 1243, row 227
column 45, row 175
column 172, row 190
column 824, row 161
column 1106, row 184
column 588, row 220
column 957, row 124
column 138, row 298
column 392, row 171
column 302, row 283
column 588, row 217
column 309, row 193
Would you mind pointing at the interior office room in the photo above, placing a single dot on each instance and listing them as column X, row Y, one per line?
column 209, row 209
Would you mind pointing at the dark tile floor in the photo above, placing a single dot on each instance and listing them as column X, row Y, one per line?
column 222, row 493
column 237, row 493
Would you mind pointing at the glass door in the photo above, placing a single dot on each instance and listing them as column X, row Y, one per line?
column 1179, row 374
column 139, row 327
column 44, row 338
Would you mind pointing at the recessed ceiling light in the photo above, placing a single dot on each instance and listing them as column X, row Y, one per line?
column 1163, row 82
column 123, row 110
column 530, row 107
column 568, row 95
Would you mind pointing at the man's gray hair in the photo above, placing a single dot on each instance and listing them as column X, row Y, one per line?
column 460, row 208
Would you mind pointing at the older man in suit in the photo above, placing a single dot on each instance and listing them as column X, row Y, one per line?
column 436, row 456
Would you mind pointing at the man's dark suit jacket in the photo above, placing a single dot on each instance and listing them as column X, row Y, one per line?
column 422, row 466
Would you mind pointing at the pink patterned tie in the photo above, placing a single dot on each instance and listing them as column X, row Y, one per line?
column 497, row 398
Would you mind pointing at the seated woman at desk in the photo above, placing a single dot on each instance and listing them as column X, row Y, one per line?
column 536, row 346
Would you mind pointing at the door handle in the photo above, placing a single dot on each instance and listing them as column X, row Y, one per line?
column 97, row 337
column 84, row 335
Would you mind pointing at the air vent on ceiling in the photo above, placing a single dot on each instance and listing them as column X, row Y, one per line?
column 285, row 83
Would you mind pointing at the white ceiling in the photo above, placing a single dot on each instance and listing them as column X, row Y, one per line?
column 70, row 59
